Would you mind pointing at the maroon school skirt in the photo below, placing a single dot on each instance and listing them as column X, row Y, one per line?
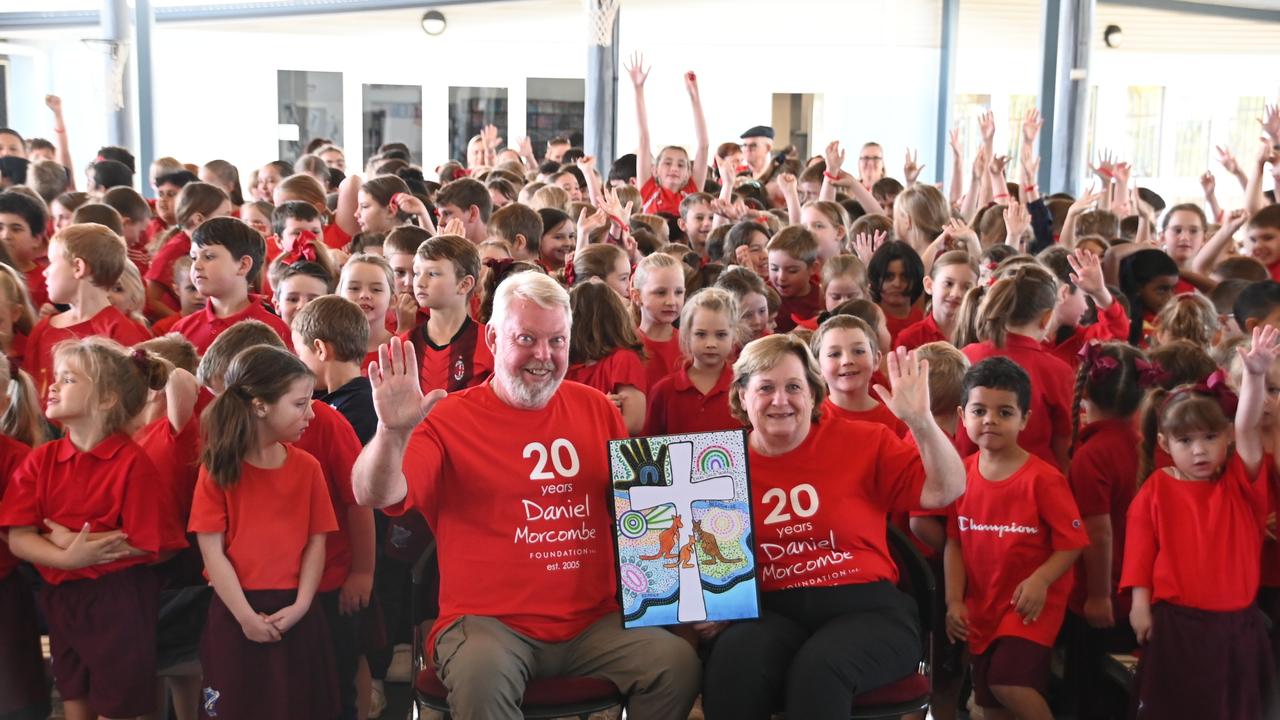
column 23, row 691
column 1205, row 665
column 102, row 636
column 293, row 679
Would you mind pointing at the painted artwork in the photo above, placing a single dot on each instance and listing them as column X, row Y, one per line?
column 685, row 547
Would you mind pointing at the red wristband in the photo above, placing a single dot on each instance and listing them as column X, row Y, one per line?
column 829, row 176
column 1030, row 188
column 1001, row 196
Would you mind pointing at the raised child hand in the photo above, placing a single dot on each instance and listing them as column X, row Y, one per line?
column 1031, row 124
column 911, row 169
column 691, row 83
column 1263, row 350
column 1227, row 160
column 636, row 69
column 907, row 396
column 834, row 157
column 1271, row 123
column 1208, row 183
column 787, row 183
column 1028, row 598
column 987, row 123
column 1086, row 272
column 1017, row 221
column 54, row 103
column 866, row 245
column 957, row 147
column 397, row 392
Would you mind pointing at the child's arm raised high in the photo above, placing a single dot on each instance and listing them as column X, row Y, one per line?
column 1263, row 350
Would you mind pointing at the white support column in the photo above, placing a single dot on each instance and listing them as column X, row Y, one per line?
column 600, row 129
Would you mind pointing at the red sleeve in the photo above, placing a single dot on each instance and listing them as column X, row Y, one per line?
column 320, row 517
column 649, row 189
column 899, row 478
column 20, row 507
column 1113, row 324
column 161, row 270
column 150, row 514
column 655, row 421
column 335, row 238
column 1058, row 511
column 628, row 370
column 1090, row 481
column 1060, row 393
column 1140, row 541
column 131, row 332
column 208, row 506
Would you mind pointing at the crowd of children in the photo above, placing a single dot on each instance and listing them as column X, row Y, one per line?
column 186, row 393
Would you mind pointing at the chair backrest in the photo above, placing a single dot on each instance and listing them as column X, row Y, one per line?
column 915, row 577
column 425, row 591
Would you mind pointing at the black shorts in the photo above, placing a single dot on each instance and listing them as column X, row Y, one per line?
column 23, row 690
column 1011, row 661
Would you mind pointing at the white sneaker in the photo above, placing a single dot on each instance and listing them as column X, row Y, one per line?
column 401, row 668
column 377, row 700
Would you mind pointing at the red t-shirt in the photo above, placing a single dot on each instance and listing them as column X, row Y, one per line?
column 465, row 361
column 335, row 238
column 520, row 519
column 921, row 333
column 36, row 286
column 107, row 322
column 820, row 516
column 1197, row 544
column 1270, row 569
column 896, row 325
column 880, row 415
column 161, row 269
column 794, row 309
column 155, row 227
column 677, row 406
column 331, row 440
column 1113, row 324
column 1052, row 389
column 1007, row 529
column 658, row 200
column 164, row 325
column 1104, row 477
column 620, row 367
column 1274, row 269
column 267, row 518
column 12, row 453
column 176, row 455
column 113, row 486
column 661, row 357
column 204, row 326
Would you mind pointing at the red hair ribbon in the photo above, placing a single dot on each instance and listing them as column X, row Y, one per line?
column 1214, row 386
column 140, row 358
column 461, row 173
column 569, row 274
column 499, row 266
column 304, row 248
column 1100, row 366
column 1150, row 374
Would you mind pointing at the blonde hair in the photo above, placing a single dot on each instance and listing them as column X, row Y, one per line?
column 307, row 189
column 844, row 322
column 22, row 420
column 845, row 266
column 796, row 241
column 1189, row 316
column 377, row 261
column 927, row 207
column 550, row 196
column 947, row 367
column 711, row 299
column 130, row 281
column 13, row 289
column 596, row 261
column 102, row 251
column 1020, row 297
column 764, row 354
column 117, row 373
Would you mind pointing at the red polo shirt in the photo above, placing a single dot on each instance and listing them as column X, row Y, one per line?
column 161, row 268
column 12, row 454
column 620, row 367
column 1104, row 477
column 203, row 326
column 331, row 441
column 1052, row 389
column 661, row 357
column 794, row 309
column 36, row 286
column 880, row 415
column 176, row 455
column 897, row 325
column 921, row 333
column 107, row 322
column 113, row 486
column 1113, row 324
column 676, row 406
column 658, row 200
column 1197, row 543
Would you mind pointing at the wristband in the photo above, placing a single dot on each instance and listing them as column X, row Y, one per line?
column 829, row 176
column 1001, row 196
column 1030, row 188
column 59, row 130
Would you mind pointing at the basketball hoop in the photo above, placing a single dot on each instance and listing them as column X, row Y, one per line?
column 118, row 52
column 600, row 16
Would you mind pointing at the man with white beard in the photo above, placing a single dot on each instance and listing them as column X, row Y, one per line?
column 513, row 477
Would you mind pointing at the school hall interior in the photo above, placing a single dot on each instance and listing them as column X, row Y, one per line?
column 1170, row 87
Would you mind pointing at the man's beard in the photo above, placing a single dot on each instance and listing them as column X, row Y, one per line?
column 524, row 394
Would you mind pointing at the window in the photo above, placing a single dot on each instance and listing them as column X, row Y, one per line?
column 966, row 111
column 793, row 121
column 1018, row 107
column 1191, row 148
column 310, row 105
column 1143, row 120
column 470, row 109
column 554, row 107
column 1244, row 130
column 393, row 113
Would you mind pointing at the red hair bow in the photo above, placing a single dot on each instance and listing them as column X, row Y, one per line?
column 1150, row 374
column 569, row 274
column 304, row 248
column 500, row 267
column 1100, row 366
column 1216, row 385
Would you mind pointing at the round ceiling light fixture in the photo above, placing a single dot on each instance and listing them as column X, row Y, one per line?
column 433, row 22
column 1113, row 36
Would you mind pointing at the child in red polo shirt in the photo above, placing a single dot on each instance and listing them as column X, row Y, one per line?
column 1011, row 541
column 21, row 663
column 950, row 278
column 657, row 294
column 451, row 347
column 69, row 509
column 1194, row 537
column 896, row 273
column 663, row 187
column 368, row 281
column 261, row 514
column 188, row 297
column 848, row 353
column 793, row 254
column 1103, row 476
column 85, row 261
column 1262, row 239
column 226, row 258
column 695, row 397
column 197, row 203
column 23, row 222
column 605, row 351
column 1079, row 276
column 1013, row 319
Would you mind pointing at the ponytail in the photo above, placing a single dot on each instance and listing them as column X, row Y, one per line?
column 118, row 372
column 1150, row 427
column 1018, row 298
column 22, row 420
column 228, row 427
column 1112, row 375
column 966, row 332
